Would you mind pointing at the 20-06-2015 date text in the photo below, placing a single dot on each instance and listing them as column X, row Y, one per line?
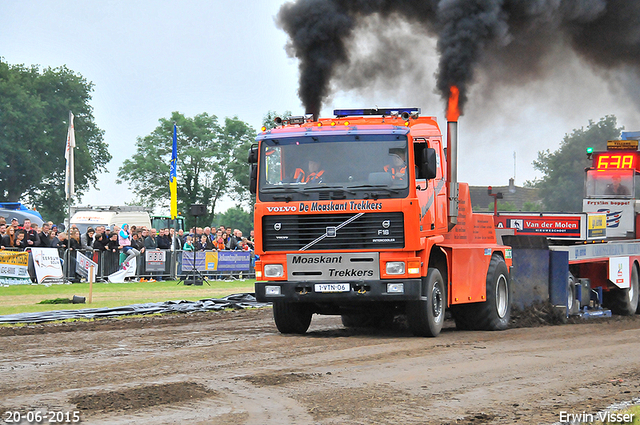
column 41, row 417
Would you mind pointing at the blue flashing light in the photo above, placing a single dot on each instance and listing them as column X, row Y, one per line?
column 340, row 113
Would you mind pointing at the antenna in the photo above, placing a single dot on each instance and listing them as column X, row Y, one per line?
column 514, row 166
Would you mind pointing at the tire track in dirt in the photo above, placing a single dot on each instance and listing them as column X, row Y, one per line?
column 331, row 375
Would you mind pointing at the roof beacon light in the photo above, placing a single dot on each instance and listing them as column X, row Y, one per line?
column 410, row 112
column 296, row 120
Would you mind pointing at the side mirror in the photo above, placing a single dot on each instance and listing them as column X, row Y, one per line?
column 253, row 178
column 429, row 166
column 253, row 154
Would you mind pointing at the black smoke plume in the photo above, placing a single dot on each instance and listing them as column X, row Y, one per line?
column 512, row 35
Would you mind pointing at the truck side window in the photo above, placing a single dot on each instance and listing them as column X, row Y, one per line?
column 418, row 154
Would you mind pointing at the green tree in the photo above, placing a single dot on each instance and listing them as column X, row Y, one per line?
column 236, row 218
column 503, row 206
column 562, row 184
column 212, row 163
column 34, row 110
column 531, row 206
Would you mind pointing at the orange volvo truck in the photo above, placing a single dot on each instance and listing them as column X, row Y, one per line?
column 362, row 216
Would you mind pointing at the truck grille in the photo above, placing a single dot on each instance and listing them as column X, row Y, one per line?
column 333, row 231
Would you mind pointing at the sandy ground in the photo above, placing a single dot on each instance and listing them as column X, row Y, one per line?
column 233, row 367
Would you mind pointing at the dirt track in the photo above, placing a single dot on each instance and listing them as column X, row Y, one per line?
column 233, row 367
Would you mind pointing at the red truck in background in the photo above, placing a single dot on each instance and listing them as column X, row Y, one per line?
column 602, row 244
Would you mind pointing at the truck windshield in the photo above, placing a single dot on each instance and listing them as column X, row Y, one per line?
column 332, row 167
column 610, row 184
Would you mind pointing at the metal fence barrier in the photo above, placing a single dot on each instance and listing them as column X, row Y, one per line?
column 109, row 262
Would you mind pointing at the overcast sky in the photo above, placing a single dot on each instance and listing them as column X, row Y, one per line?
column 148, row 58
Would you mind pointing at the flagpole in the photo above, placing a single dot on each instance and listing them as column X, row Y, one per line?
column 173, row 189
column 69, row 186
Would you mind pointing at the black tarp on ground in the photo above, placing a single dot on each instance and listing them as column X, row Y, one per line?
column 238, row 301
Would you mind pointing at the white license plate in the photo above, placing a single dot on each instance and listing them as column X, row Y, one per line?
column 332, row 287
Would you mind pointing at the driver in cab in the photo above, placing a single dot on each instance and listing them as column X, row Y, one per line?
column 315, row 174
column 616, row 188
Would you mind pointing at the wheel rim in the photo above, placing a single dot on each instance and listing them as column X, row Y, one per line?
column 502, row 296
column 436, row 302
column 571, row 296
column 632, row 290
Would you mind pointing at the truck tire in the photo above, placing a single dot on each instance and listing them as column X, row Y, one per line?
column 464, row 316
column 572, row 302
column 426, row 317
column 291, row 318
column 494, row 314
column 625, row 301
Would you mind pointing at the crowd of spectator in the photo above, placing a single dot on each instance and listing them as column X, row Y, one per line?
column 27, row 235
column 131, row 241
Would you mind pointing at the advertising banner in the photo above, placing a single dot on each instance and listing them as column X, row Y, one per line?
column 556, row 226
column 620, row 214
column 211, row 260
column 233, row 260
column 619, row 271
column 188, row 261
column 83, row 263
column 216, row 260
column 128, row 271
column 14, row 268
column 47, row 264
column 155, row 260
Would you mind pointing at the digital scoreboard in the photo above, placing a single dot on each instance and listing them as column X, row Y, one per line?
column 616, row 161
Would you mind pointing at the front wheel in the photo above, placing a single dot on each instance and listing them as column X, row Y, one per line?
column 426, row 317
column 292, row 318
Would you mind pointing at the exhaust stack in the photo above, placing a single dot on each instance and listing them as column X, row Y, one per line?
column 453, row 113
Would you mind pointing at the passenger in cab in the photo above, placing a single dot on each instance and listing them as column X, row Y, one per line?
column 315, row 174
column 397, row 166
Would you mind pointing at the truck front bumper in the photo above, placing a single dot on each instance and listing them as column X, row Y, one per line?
column 366, row 291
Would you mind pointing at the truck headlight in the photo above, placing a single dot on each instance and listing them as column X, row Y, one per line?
column 272, row 290
column 395, row 288
column 395, row 267
column 273, row 270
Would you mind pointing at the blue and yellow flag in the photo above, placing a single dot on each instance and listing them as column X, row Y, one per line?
column 173, row 176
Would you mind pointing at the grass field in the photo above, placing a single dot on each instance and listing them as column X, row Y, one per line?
column 25, row 298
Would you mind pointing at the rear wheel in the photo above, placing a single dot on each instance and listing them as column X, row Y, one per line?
column 625, row 301
column 495, row 313
column 426, row 316
column 572, row 302
column 292, row 318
